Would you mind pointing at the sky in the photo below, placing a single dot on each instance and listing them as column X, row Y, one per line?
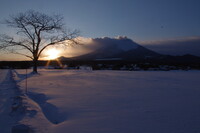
column 141, row 20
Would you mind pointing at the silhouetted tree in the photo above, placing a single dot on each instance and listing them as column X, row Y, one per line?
column 35, row 32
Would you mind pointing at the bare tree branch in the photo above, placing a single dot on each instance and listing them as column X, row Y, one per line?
column 35, row 28
column 14, row 52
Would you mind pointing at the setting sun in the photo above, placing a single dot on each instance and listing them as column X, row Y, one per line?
column 52, row 53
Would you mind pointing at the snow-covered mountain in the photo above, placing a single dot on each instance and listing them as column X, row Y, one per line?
column 121, row 48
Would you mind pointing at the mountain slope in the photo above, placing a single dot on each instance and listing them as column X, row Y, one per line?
column 138, row 53
column 121, row 47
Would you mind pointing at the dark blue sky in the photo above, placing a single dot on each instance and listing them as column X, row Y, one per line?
column 138, row 19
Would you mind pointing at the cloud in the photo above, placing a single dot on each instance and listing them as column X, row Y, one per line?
column 86, row 45
column 179, row 46
column 91, row 44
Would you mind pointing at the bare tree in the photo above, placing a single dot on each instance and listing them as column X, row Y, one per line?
column 35, row 32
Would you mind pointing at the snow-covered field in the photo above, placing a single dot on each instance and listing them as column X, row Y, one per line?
column 77, row 101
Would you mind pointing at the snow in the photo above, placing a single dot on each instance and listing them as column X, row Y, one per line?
column 6, row 94
column 2, row 75
column 85, row 101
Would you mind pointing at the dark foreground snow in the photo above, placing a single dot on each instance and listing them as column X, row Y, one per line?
column 6, row 94
column 111, row 101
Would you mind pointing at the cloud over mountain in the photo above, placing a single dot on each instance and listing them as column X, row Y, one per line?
column 110, row 46
column 120, row 43
column 121, row 48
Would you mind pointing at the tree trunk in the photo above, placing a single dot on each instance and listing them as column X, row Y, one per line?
column 35, row 64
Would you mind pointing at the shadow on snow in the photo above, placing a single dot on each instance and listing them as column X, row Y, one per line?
column 50, row 111
column 23, row 76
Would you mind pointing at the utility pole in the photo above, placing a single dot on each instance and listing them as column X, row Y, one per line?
column 26, row 83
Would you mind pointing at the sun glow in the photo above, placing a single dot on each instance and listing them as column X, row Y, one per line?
column 52, row 53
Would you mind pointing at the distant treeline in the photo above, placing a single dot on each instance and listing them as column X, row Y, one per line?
column 108, row 64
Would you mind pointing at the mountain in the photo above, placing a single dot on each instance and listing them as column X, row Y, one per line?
column 138, row 53
column 63, row 58
column 123, row 48
column 117, row 48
